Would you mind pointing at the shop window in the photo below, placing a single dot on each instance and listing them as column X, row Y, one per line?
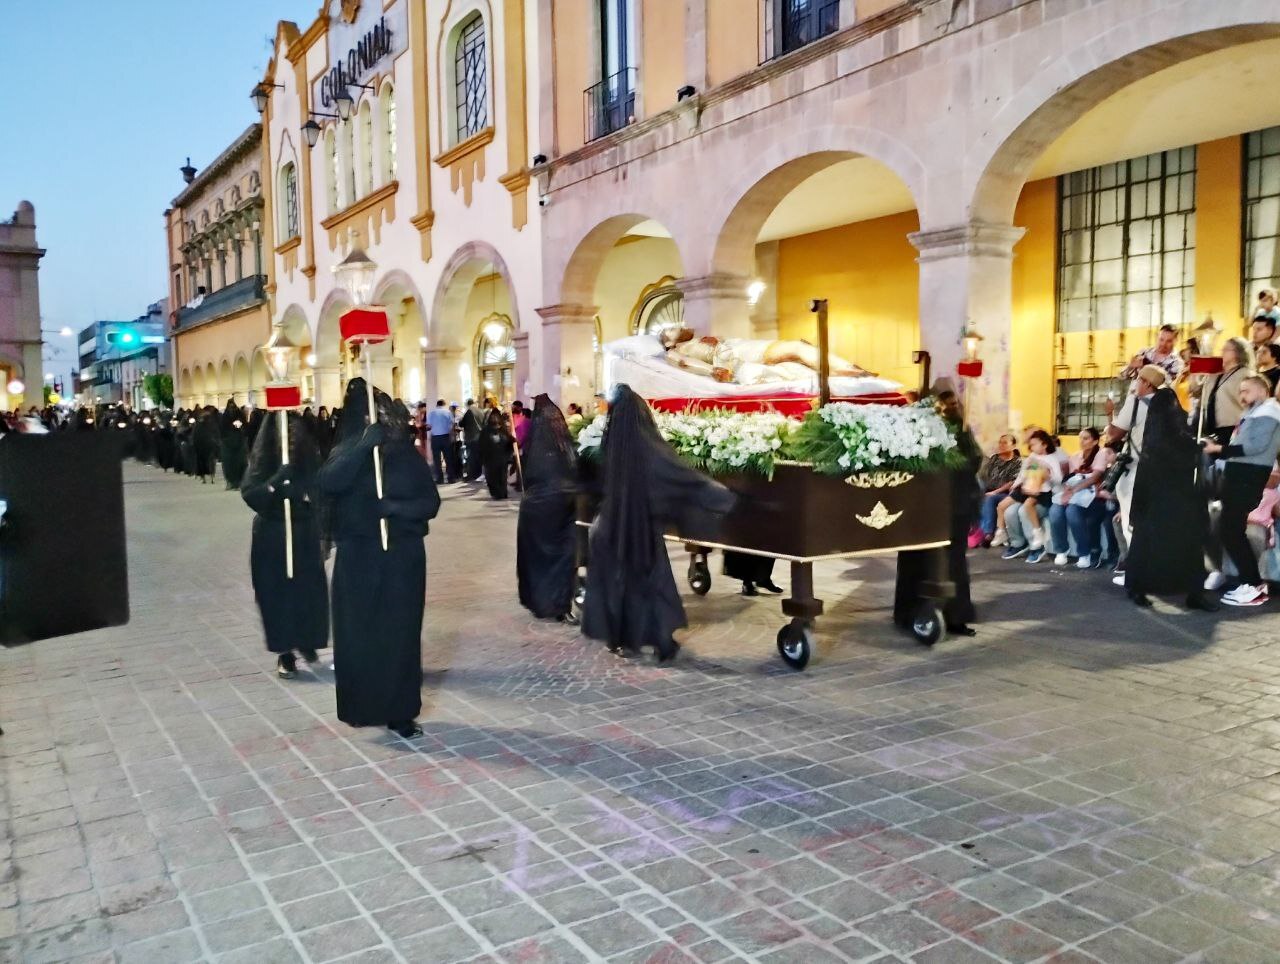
column 289, row 201
column 1082, row 403
column 1126, row 243
column 470, row 78
column 1261, row 213
column 496, row 357
column 388, row 134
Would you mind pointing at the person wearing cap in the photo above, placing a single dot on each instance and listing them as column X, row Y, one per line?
column 1130, row 424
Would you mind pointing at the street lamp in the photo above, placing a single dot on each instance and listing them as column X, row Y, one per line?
column 345, row 103
column 260, row 95
column 355, row 274
column 16, row 386
column 282, row 395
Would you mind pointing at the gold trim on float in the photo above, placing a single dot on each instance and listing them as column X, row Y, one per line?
column 879, row 480
column 880, row 517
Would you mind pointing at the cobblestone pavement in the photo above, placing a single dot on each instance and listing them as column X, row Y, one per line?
column 1083, row 781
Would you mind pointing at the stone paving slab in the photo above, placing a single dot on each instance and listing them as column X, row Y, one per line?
column 1082, row 781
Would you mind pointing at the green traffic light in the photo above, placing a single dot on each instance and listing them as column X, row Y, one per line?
column 127, row 337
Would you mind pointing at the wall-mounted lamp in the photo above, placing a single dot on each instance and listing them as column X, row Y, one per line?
column 422, row 342
column 754, row 291
column 685, row 92
column 261, row 93
column 311, row 130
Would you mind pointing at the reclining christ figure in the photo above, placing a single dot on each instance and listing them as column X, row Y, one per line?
column 750, row 361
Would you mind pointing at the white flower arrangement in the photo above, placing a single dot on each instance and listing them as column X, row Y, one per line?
column 841, row 438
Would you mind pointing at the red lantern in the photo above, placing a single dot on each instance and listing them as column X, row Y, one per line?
column 969, row 369
column 282, row 397
column 365, row 325
column 1205, row 364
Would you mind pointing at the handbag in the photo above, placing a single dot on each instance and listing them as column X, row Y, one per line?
column 1118, row 468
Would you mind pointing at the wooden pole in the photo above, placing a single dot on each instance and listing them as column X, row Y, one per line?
column 288, row 508
column 373, row 417
column 819, row 306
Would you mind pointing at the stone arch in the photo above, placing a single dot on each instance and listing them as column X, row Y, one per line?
column 224, row 381
column 461, row 271
column 184, row 387
column 403, row 352
column 736, row 215
column 193, row 386
column 210, row 393
column 240, row 382
column 328, row 338
column 1081, row 76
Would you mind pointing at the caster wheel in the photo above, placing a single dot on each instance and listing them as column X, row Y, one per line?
column 699, row 577
column 795, row 643
column 926, row 624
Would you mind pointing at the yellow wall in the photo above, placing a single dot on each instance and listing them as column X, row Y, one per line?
column 1218, row 232
column 869, row 8
column 733, row 38
column 572, row 38
column 630, row 267
column 1031, row 381
column 868, row 274
column 662, row 59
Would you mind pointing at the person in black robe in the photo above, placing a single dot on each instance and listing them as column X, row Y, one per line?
column 233, row 449
column 165, row 446
column 631, row 594
column 143, row 444
column 950, row 565
column 545, row 536
column 253, row 424
column 1169, row 515
column 754, row 572
column 295, row 612
column 497, row 445
column 378, row 595
column 187, row 442
column 206, row 441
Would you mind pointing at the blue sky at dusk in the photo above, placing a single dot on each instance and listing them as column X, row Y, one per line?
column 104, row 102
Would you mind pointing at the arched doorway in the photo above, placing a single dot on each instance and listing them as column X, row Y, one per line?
column 240, row 380
column 398, row 362
column 474, row 295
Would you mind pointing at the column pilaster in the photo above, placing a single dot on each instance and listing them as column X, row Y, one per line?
column 716, row 304
column 567, row 363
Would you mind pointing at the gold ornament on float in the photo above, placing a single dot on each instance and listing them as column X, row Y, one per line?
column 880, row 517
column 879, row 480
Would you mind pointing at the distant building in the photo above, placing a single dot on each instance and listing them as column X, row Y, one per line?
column 116, row 357
column 20, row 309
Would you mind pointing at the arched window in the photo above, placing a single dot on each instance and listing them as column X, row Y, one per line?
column 204, row 219
column 659, row 309
column 347, row 149
column 388, row 134
column 235, row 196
column 365, row 178
column 255, row 182
column 496, row 357
column 289, row 201
column 219, row 209
column 332, row 173
column 471, row 80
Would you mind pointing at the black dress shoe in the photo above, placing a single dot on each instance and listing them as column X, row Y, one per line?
column 622, row 652
column 286, row 666
column 768, row 586
column 962, row 631
column 670, row 653
column 408, row 730
column 309, row 655
column 1140, row 599
column 1203, row 603
column 749, row 589
column 569, row 619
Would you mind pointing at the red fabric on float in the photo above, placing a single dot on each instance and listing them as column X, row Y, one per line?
column 791, row 405
column 365, row 325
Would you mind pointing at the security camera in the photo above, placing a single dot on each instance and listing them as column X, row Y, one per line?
column 544, row 200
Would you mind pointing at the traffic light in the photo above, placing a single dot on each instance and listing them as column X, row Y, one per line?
column 124, row 337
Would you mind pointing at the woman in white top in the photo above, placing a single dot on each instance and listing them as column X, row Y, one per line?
column 1040, row 478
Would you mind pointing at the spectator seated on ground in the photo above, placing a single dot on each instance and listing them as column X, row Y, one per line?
column 1262, row 537
column 1030, row 498
column 999, row 472
column 1076, row 513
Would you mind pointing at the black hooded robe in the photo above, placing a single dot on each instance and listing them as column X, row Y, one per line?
column 378, row 595
column 206, row 443
column 497, row 445
column 233, row 450
column 1169, row 515
column 545, row 536
column 295, row 612
column 165, row 446
column 631, row 594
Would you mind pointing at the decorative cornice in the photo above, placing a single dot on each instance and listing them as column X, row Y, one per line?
column 975, row 239
column 376, row 208
column 473, row 143
column 291, row 245
column 717, row 285
column 466, row 162
column 250, row 138
column 318, row 29
column 517, row 184
column 423, row 221
column 309, row 271
column 553, row 315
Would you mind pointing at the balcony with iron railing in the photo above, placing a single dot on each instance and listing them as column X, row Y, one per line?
column 611, row 104
column 237, row 296
column 788, row 25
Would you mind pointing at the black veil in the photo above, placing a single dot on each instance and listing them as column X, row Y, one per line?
column 632, row 444
column 265, row 461
column 355, row 416
column 548, row 451
column 230, row 415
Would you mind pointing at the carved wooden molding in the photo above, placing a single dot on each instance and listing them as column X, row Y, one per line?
column 367, row 215
column 466, row 162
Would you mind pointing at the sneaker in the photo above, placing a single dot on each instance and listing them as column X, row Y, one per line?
column 1061, row 559
column 1013, row 552
column 1214, row 581
column 1001, row 538
column 1084, row 562
column 1037, row 538
column 1118, row 580
column 1254, row 597
column 1035, row 555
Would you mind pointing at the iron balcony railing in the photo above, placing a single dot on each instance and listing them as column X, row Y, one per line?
column 787, row 25
column 237, row 296
column 611, row 104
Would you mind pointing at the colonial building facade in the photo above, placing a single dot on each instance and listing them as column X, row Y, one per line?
column 1064, row 175
column 218, row 241
column 403, row 127
column 20, row 337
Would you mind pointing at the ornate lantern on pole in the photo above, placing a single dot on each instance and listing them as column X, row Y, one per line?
column 364, row 325
column 971, row 365
column 282, row 394
column 1205, row 362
